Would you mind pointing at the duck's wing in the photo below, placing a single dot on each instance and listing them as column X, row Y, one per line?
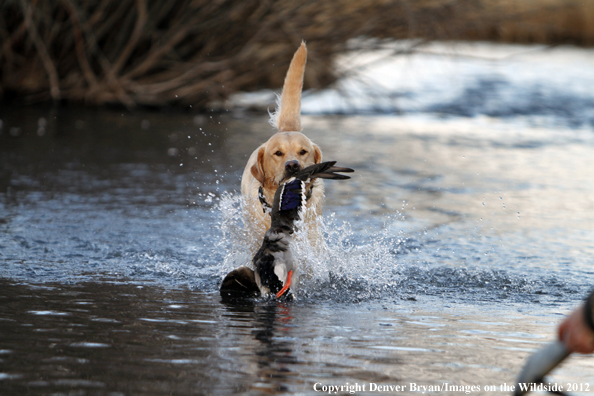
column 323, row 170
column 290, row 197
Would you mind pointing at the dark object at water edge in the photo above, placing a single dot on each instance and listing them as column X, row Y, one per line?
column 240, row 283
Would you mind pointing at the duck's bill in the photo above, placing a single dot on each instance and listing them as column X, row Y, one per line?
column 539, row 365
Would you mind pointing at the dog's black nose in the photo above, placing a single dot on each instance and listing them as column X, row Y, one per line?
column 292, row 166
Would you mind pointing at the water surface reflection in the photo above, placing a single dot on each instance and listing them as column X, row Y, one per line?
column 121, row 338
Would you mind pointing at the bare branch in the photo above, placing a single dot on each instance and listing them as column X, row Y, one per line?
column 80, row 46
column 42, row 51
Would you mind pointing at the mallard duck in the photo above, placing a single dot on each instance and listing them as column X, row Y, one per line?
column 273, row 263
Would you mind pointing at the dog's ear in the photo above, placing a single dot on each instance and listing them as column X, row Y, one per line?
column 317, row 154
column 258, row 168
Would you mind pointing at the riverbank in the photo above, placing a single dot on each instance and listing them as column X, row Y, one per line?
column 194, row 53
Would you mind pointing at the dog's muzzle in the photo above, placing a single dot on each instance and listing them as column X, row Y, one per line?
column 292, row 166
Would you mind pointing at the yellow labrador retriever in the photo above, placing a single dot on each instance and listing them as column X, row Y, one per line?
column 289, row 149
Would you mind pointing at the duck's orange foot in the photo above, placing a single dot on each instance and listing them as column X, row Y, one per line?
column 287, row 285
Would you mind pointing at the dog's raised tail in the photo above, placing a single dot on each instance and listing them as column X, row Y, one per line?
column 287, row 117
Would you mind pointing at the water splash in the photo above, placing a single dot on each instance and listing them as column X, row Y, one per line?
column 235, row 241
column 389, row 263
column 338, row 261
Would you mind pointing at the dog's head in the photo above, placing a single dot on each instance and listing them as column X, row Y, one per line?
column 284, row 153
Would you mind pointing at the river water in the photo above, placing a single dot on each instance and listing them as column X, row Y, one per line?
column 458, row 246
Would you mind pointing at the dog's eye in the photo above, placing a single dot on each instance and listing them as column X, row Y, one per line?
column 303, row 152
column 279, row 153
